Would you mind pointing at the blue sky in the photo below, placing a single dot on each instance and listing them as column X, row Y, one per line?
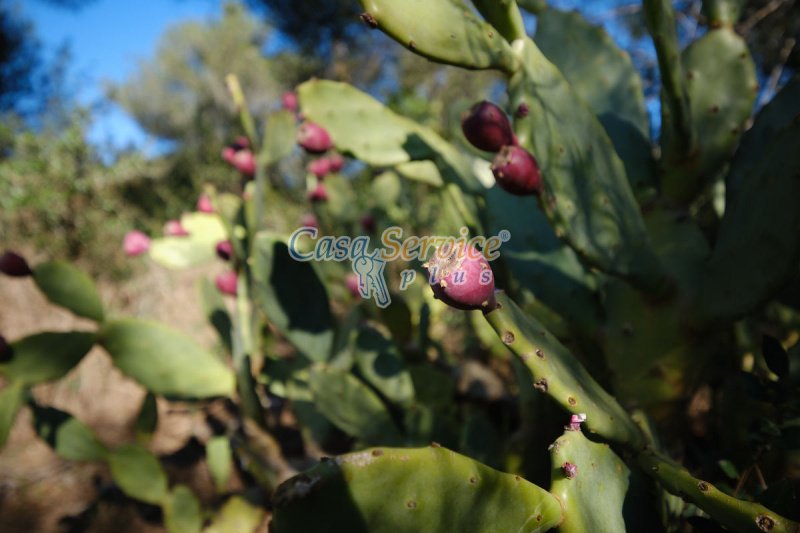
column 107, row 38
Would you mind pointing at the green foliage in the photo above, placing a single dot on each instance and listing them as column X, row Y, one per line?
column 205, row 231
column 182, row 511
column 65, row 285
column 46, row 356
column 66, row 435
column 138, row 473
column 218, row 452
column 423, row 489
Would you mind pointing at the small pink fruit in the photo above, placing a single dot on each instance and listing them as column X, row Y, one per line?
column 224, row 250
column 309, row 221
column 13, row 264
column 313, row 138
column 517, row 171
column 204, row 204
column 336, row 161
column 245, row 162
column 289, row 101
column 352, row 284
column 368, row 223
column 522, row 110
column 462, row 278
column 174, row 228
column 228, row 154
column 486, row 127
column 320, row 167
column 226, row 282
column 135, row 243
column 319, row 194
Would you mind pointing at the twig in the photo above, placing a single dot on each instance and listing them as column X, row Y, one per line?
column 758, row 16
column 775, row 75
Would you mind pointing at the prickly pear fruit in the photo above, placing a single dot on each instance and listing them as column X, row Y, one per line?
column 314, row 138
column 517, row 171
column 336, row 161
column 226, row 283
column 13, row 264
column 319, row 194
column 368, row 223
column 174, row 228
column 320, row 167
column 309, row 221
column 224, row 250
column 486, row 127
column 244, row 161
column 352, row 284
column 135, row 243
column 204, row 204
column 289, row 101
column 462, row 278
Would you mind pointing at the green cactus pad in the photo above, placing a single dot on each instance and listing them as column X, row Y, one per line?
column 379, row 361
column 721, row 85
column 558, row 374
column 219, row 459
column 364, row 128
column 450, row 33
column 410, row 490
column 292, row 296
column 46, row 356
column 757, row 249
column 594, row 496
column 587, row 195
column 216, row 312
column 138, row 473
column 182, row 513
column 12, row 396
column 236, row 516
column 722, row 12
column 164, row 360
column 68, row 287
column 67, row 436
column 352, row 406
column 279, row 137
column 205, row 231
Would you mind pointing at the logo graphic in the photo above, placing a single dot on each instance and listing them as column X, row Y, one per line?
column 370, row 265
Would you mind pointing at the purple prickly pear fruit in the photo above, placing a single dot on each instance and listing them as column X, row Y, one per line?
column 462, row 278
column 135, row 243
column 522, row 110
column 517, row 171
column 240, row 143
column 13, row 264
column 289, row 101
column 368, row 223
column 309, row 221
column 336, row 161
column 487, row 128
column 6, row 353
column 174, row 228
column 224, row 250
column 244, row 161
column 226, row 283
column 204, row 204
column 314, row 138
column 320, row 167
column 570, row 470
column 319, row 194
column 352, row 284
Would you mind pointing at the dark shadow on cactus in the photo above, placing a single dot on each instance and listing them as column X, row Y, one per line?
column 298, row 291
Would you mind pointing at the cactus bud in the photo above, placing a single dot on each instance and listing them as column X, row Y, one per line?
column 204, row 204
column 135, row 243
column 174, row 228
column 336, row 161
column 570, row 470
column 313, row 138
column 309, row 221
column 13, row 264
column 6, row 352
column 575, row 422
column 352, row 284
column 319, row 194
column 226, row 283
column 517, row 171
column 462, row 278
column 522, row 110
column 224, row 250
column 320, row 167
column 487, row 128
column 368, row 223
column 244, row 161
column 289, row 101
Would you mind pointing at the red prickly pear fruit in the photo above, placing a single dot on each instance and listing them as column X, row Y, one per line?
column 6, row 352
column 336, row 161
column 309, row 221
column 204, row 204
column 352, row 284
column 462, row 278
column 174, row 228
column 244, row 161
column 226, row 283
column 319, row 194
column 368, row 223
column 289, row 101
column 517, row 171
column 135, row 243
column 13, row 264
column 486, row 127
column 320, row 167
column 224, row 250
column 228, row 154
column 313, row 138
